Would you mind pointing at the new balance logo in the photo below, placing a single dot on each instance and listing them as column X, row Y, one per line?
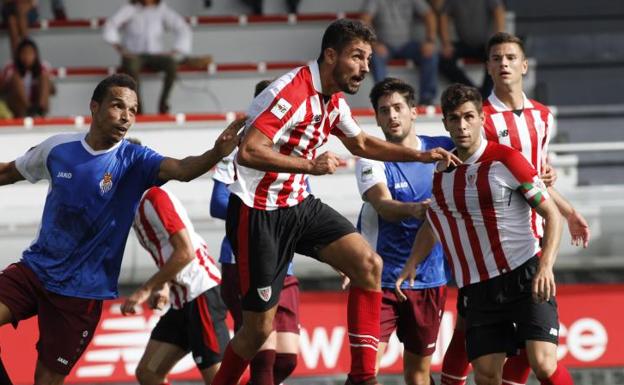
column 431, row 345
column 503, row 134
column 62, row 360
column 554, row 332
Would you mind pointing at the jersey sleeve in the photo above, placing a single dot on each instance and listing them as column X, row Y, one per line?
column 33, row 164
column 518, row 174
column 277, row 108
column 150, row 166
column 346, row 124
column 163, row 211
column 369, row 173
column 224, row 170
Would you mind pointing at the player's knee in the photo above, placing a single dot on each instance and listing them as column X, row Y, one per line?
column 488, row 377
column 144, row 376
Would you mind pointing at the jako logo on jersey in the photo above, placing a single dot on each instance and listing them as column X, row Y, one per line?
column 64, row 174
column 106, row 183
column 503, row 134
column 399, row 185
column 281, row 108
column 265, row 293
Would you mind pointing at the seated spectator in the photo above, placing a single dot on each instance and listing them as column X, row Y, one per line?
column 137, row 31
column 17, row 16
column 394, row 22
column 27, row 82
column 256, row 6
column 58, row 9
column 474, row 21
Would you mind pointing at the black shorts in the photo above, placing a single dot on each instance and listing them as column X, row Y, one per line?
column 264, row 243
column 199, row 327
column 501, row 315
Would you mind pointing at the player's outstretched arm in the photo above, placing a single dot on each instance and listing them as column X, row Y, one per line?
column 577, row 225
column 393, row 210
column 423, row 243
column 9, row 173
column 191, row 167
column 256, row 151
column 367, row 146
column 544, row 281
column 182, row 255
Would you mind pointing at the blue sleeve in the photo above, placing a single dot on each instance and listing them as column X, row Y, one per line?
column 150, row 164
column 219, row 200
column 438, row 141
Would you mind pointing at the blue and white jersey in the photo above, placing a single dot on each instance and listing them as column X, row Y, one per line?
column 88, row 211
column 407, row 182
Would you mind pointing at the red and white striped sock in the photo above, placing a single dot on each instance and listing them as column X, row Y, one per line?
column 363, row 322
column 455, row 366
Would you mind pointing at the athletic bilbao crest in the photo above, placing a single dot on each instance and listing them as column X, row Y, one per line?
column 106, row 183
column 471, row 179
column 265, row 293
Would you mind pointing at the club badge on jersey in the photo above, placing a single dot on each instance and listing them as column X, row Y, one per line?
column 106, row 183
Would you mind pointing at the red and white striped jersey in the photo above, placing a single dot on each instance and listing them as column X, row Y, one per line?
column 294, row 114
column 159, row 216
column 528, row 131
column 479, row 211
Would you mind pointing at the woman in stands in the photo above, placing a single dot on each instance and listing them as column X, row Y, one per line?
column 27, row 82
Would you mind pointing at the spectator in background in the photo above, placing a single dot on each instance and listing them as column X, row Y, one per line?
column 27, row 82
column 474, row 21
column 393, row 22
column 137, row 32
column 18, row 15
column 256, row 6
column 58, row 9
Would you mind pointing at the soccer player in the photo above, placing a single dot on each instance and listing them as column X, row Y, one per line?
column 526, row 125
column 396, row 196
column 96, row 180
column 271, row 215
column 277, row 357
column 188, row 279
column 481, row 212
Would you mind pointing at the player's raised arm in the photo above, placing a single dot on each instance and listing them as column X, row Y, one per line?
column 191, row 167
column 368, row 146
column 9, row 173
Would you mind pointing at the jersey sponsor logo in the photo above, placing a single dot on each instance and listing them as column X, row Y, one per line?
column 281, row 108
column 106, row 183
column 64, row 175
column 366, row 174
column 264, row 293
column 400, row 185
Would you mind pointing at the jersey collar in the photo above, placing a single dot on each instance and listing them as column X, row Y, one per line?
column 501, row 107
column 316, row 77
column 475, row 157
column 91, row 151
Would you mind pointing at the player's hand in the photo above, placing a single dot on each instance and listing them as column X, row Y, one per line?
column 543, row 285
column 229, row 138
column 440, row 155
column 136, row 299
column 325, row 164
column 448, row 50
column 579, row 229
column 427, row 49
column 406, row 274
column 381, row 50
column 159, row 298
column 549, row 175
column 418, row 209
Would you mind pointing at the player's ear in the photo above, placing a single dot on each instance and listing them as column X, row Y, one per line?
column 331, row 55
column 94, row 106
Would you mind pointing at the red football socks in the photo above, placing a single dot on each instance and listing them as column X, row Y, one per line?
column 232, row 367
column 516, row 369
column 364, row 328
column 561, row 376
column 455, row 366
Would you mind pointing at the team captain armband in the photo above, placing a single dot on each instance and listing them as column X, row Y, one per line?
column 534, row 192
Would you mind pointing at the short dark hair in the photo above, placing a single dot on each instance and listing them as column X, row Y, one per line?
column 116, row 80
column 457, row 94
column 260, row 86
column 344, row 31
column 389, row 86
column 501, row 38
